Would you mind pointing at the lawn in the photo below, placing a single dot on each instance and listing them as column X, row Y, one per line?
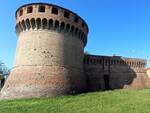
column 117, row 101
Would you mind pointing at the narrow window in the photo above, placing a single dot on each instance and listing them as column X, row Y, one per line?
column 41, row 9
column 66, row 14
column 54, row 11
column 21, row 12
column 76, row 19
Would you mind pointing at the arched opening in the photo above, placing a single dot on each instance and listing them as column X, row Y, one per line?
column 80, row 33
column 68, row 28
column 76, row 31
column 28, row 24
column 56, row 24
column 62, row 26
column 72, row 29
column 23, row 25
column 38, row 23
column 50, row 24
column 33, row 23
column 20, row 26
column 44, row 23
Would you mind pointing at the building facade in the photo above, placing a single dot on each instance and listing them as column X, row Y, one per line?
column 50, row 59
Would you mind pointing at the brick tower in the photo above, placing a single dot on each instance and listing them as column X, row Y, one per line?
column 49, row 54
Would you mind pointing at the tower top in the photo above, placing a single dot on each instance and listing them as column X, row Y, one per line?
column 50, row 17
column 52, row 5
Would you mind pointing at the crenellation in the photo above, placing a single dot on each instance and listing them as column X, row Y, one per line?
column 44, row 24
column 134, row 63
column 58, row 13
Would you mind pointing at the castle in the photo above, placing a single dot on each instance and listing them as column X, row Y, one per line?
column 50, row 58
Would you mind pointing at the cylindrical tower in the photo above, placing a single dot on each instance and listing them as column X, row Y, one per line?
column 49, row 54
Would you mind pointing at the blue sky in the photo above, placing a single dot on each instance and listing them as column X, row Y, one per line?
column 120, row 27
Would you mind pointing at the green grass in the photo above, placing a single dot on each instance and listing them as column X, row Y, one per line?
column 117, row 101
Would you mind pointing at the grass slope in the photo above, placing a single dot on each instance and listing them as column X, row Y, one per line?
column 118, row 101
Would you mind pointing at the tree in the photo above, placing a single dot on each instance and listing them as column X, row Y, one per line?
column 4, row 71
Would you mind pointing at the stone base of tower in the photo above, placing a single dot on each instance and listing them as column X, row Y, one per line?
column 41, row 81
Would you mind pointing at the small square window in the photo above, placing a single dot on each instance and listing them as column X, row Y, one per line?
column 41, row 9
column 29, row 10
column 54, row 11
column 66, row 14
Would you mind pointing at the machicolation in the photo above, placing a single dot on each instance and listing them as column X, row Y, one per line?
column 50, row 17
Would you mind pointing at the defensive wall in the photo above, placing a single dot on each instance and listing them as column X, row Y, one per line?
column 115, row 72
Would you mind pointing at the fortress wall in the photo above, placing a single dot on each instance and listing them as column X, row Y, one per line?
column 115, row 72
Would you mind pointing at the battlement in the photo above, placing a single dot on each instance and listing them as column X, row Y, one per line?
column 41, row 16
column 114, row 61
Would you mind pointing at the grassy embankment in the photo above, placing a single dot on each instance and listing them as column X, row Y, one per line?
column 117, row 101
